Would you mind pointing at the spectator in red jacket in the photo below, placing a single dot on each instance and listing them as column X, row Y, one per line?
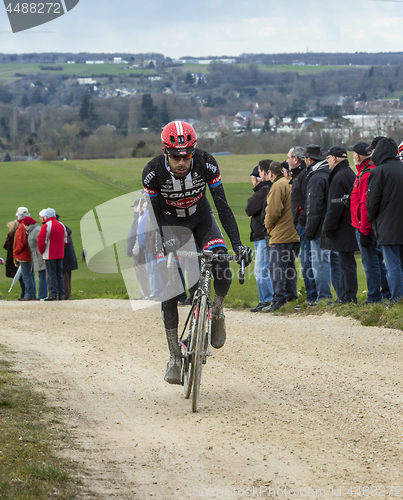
column 52, row 239
column 371, row 256
column 22, row 256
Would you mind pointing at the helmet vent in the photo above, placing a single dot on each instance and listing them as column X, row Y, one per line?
column 172, row 139
column 189, row 138
column 181, row 139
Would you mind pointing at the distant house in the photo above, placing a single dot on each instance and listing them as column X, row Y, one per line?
column 119, row 60
column 86, row 81
column 199, row 77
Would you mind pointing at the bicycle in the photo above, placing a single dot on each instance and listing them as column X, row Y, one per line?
column 195, row 346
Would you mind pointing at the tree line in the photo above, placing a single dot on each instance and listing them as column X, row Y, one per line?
column 48, row 113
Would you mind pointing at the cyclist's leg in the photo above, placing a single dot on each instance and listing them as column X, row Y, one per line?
column 169, row 309
column 209, row 237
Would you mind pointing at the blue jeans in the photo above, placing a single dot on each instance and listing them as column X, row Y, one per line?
column 306, row 264
column 43, row 286
column 393, row 255
column 155, row 278
column 375, row 270
column 28, row 278
column 335, row 272
column 321, row 269
column 54, row 269
column 262, row 275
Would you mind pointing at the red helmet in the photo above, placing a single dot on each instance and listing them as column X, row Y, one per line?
column 179, row 137
column 400, row 149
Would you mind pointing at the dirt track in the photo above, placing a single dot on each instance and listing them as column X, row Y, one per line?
column 289, row 402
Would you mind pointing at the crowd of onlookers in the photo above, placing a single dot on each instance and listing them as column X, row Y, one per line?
column 46, row 250
column 314, row 205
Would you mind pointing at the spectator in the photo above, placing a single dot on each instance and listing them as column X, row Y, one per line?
column 133, row 250
column 371, row 256
column 318, row 173
column 22, row 256
column 283, row 238
column 38, row 264
column 69, row 263
column 52, row 239
column 10, row 268
column 254, row 209
column 147, row 240
column 337, row 228
column 385, row 206
column 296, row 161
column 285, row 168
column 264, row 175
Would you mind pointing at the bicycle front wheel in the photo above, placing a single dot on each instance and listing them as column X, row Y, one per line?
column 199, row 352
column 188, row 360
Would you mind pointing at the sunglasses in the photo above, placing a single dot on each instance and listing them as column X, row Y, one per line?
column 175, row 157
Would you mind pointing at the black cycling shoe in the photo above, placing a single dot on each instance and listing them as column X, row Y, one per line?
column 260, row 306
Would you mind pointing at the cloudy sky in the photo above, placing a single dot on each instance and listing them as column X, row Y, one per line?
column 215, row 27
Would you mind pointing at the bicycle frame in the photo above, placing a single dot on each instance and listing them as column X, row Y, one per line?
column 196, row 346
column 204, row 288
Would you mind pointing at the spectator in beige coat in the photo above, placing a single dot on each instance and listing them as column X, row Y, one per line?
column 283, row 238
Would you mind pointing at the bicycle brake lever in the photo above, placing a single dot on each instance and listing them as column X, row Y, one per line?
column 242, row 272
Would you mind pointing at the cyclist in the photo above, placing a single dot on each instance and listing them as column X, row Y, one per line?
column 176, row 185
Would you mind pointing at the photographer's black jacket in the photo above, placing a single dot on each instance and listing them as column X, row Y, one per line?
column 337, row 229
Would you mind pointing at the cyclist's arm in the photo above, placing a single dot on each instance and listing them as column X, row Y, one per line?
column 225, row 214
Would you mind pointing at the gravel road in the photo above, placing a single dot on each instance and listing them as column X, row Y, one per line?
column 292, row 406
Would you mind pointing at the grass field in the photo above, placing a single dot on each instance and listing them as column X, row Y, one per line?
column 8, row 71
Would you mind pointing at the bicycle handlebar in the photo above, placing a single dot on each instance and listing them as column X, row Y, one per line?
column 210, row 256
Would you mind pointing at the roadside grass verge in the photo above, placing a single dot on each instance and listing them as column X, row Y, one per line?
column 30, row 435
column 382, row 314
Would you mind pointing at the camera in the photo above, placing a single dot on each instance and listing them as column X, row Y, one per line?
column 345, row 200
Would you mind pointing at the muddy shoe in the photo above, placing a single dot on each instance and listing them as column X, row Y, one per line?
column 218, row 331
column 173, row 371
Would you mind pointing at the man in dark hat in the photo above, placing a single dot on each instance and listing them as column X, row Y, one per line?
column 371, row 256
column 254, row 208
column 318, row 173
column 337, row 228
column 296, row 161
column 374, row 142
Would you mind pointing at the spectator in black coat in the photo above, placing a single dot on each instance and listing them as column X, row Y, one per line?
column 337, row 228
column 317, row 189
column 296, row 161
column 254, row 208
column 385, row 209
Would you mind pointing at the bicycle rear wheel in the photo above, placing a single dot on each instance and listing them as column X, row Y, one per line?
column 199, row 351
column 188, row 361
